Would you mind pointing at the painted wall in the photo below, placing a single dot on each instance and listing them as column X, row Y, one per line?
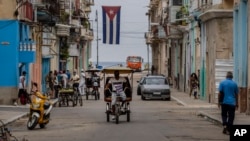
column 7, row 13
column 241, row 51
column 9, row 48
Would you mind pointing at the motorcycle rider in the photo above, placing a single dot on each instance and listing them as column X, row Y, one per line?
column 117, row 88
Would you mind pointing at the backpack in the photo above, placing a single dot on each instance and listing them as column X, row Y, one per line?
column 23, row 99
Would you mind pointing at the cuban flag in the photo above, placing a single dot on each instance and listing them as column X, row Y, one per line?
column 111, row 24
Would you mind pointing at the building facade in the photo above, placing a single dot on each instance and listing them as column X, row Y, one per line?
column 42, row 35
column 199, row 38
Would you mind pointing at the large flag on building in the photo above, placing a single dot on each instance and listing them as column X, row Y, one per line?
column 111, row 24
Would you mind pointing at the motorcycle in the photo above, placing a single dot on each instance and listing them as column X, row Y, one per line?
column 40, row 109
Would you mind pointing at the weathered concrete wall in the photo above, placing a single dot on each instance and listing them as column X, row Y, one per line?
column 7, row 95
column 7, row 9
column 219, row 27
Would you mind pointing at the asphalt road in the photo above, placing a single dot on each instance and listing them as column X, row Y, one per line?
column 151, row 120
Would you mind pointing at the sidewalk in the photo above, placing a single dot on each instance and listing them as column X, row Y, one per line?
column 11, row 113
column 205, row 109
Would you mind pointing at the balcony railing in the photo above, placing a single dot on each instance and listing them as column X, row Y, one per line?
column 27, row 52
column 89, row 2
column 87, row 34
column 63, row 30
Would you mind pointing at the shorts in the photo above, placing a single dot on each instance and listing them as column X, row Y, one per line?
column 22, row 91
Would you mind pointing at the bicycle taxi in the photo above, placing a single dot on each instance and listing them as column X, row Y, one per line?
column 92, row 83
column 127, row 73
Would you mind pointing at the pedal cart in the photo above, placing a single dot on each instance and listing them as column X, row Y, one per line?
column 69, row 95
column 119, row 109
column 93, row 83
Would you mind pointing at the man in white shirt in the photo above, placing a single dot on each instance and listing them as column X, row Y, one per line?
column 117, row 88
column 75, row 78
column 82, row 83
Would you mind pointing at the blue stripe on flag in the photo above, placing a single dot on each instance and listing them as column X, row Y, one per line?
column 118, row 27
column 104, row 26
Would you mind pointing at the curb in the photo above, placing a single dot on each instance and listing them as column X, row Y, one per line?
column 200, row 113
column 12, row 119
column 209, row 117
column 178, row 101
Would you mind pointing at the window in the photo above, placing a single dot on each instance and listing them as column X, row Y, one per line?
column 177, row 2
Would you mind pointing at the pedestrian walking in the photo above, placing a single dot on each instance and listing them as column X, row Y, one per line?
column 153, row 69
column 228, row 101
column 56, row 84
column 194, row 84
column 22, row 92
column 50, row 83
column 82, row 83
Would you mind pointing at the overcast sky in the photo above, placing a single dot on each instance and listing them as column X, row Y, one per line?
column 134, row 23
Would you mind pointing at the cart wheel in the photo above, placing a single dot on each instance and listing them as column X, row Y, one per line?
column 108, row 116
column 75, row 100
column 67, row 100
column 107, row 112
column 128, row 116
column 117, row 112
column 80, row 100
column 96, row 95
column 117, row 118
column 87, row 96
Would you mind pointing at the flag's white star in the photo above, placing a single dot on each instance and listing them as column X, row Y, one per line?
column 111, row 12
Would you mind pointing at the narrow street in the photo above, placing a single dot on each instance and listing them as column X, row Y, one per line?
column 150, row 120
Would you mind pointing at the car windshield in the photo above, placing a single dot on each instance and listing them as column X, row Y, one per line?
column 156, row 81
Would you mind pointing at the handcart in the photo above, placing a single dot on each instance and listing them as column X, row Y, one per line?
column 69, row 95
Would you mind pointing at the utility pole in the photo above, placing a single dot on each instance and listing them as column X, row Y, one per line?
column 97, row 41
column 148, row 42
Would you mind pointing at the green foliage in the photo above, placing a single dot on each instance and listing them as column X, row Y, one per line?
column 64, row 51
column 64, row 17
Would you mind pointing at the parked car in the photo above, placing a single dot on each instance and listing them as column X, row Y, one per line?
column 139, row 85
column 155, row 87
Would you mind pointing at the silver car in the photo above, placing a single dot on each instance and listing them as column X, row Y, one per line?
column 155, row 87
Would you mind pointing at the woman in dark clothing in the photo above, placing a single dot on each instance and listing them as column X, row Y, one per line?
column 194, row 84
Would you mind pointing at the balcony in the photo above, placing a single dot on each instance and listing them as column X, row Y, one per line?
column 47, row 11
column 89, row 2
column 62, row 30
column 75, row 23
column 87, row 34
column 27, row 52
column 25, row 12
